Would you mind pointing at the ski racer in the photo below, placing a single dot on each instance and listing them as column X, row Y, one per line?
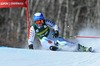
column 48, row 34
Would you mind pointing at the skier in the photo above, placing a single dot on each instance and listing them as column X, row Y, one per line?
column 48, row 34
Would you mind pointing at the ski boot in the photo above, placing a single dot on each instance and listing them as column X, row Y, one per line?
column 84, row 49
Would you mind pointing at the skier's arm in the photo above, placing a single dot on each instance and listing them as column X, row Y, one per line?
column 31, row 38
column 52, row 25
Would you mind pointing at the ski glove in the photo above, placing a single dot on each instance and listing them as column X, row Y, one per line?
column 53, row 48
column 56, row 33
column 31, row 46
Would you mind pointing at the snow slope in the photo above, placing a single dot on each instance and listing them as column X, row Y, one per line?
column 26, row 57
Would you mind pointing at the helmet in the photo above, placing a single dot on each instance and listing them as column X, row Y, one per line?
column 38, row 16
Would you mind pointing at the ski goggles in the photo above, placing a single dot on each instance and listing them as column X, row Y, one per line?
column 39, row 21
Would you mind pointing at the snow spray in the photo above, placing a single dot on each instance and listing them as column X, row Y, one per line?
column 90, row 42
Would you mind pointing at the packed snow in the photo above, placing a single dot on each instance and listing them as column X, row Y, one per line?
column 26, row 57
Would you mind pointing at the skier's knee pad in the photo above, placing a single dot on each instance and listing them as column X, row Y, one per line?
column 53, row 48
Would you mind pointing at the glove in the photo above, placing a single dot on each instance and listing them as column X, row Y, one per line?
column 31, row 46
column 53, row 48
column 56, row 33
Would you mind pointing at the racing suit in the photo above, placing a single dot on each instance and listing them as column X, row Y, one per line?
column 45, row 35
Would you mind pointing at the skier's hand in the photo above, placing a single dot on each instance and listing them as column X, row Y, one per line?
column 31, row 46
column 56, row 33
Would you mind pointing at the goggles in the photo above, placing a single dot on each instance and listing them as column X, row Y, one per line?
column 39, row 22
